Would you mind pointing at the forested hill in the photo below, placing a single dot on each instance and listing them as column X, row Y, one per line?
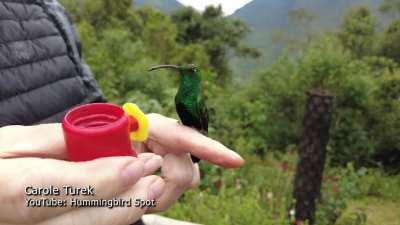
column 264, row 15
column 163, row 5
column 272, row 27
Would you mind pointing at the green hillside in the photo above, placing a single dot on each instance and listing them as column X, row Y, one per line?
column 272, row 28
column 163, row 5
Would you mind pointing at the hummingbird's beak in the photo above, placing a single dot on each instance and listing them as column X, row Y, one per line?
column 165, row 67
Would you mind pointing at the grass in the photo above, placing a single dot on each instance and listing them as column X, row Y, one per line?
column 260, row 193
column 377, row 211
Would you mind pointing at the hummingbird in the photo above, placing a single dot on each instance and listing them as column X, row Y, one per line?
column 189, row 100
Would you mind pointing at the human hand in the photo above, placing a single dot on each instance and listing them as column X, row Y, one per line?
column 167, row 138
column 174, row 142
column 119, row 177
column 116, row 177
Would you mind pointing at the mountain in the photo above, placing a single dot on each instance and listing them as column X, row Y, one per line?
column 271, row 26
column 266, row 14
column 163, row 5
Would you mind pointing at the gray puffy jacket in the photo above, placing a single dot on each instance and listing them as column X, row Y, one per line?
column 42, row 74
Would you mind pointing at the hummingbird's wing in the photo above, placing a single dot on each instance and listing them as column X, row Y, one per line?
column 189, row 118
column 204, row 117
column 194, row 115
column 188, row 115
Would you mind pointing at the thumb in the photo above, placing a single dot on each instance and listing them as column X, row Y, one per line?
column 108, row 177
column 145, row 190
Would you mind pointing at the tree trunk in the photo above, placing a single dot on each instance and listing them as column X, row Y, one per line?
column 312, row 153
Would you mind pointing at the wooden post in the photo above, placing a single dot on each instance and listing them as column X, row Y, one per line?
column 312, row 154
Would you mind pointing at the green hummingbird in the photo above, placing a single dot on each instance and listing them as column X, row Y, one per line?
column 189, row 101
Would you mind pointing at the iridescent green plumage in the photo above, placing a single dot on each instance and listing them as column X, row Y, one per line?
column 189, row 101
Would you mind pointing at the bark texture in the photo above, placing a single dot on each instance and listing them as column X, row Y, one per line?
column 312, row 154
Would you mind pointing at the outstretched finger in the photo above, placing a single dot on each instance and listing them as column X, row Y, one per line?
column 168, row 136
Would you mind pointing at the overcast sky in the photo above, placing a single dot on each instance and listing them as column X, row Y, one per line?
column 229, row 6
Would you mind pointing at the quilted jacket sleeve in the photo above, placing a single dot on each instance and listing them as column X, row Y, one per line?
column 73, row 41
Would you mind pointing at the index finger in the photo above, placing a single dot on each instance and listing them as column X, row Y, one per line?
column 177, row 138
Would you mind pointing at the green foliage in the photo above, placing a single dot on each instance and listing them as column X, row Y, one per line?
column 390, row 7
column 217, row 34
column 99, row 13
column 264, row 115
column 267, row 114
column 322, row 65
column 386, row 131
column 239, row 197
column 121, row 42
column 391, row 41
column 163, row 5
column 357, row 217
column 370, row 211
column 358, row 30
column 341, row 185
column 261, row 193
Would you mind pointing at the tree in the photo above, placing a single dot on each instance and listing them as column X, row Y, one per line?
column 219, row 35
column 390, row 7
column 357, row 32
column 391, row 41
column 99, row 13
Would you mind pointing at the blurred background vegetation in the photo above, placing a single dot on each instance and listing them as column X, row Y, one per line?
column 257, row 65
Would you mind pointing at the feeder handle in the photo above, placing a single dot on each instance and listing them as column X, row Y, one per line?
column 142, row 133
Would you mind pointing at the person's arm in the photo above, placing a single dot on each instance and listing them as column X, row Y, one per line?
column 168, row 138
column 26, row 165
column 72, row 37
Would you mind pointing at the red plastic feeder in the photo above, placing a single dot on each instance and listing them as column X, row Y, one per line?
column 98, row 130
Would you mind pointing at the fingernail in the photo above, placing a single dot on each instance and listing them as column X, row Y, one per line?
column 156, row 189
column 145, row 157
column 152, row 164
column 237, row 156
column 131, row 173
